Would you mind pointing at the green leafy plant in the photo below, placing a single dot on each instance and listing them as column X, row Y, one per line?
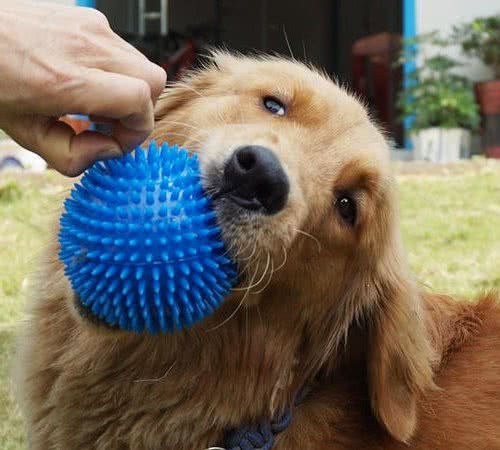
column 480, row 38
column 435, row 95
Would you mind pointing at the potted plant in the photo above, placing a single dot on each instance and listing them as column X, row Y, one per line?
column 439, row 102
column 481, row 39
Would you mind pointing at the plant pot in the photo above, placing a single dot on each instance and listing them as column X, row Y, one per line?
column 488, row 98
column 441, row 144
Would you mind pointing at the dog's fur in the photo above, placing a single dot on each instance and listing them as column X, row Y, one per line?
column 328, row 305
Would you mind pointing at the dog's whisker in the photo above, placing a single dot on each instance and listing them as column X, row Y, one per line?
column 189, row 138
column 315, row 239
column 288, row 43
column 186, row 86
column 243, row 266
column 187, row 125
column 235, row 251
column 285, row 257
column 268, row 281
column 250, row 286
column 264, row 273
column 260, row 315
column 231, row 250
column 256, row 257
column 155, row 380
column 250, row 263
column 227, row 319
column 246, row 258
column 246, row 327
column 241, row 250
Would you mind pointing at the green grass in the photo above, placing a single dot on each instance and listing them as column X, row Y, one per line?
column 25, row 212
column 26, row 204
column 450, row 226
column 451, row 229
column 11, row 426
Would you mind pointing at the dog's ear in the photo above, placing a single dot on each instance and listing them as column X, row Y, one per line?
column 189, row 88
column 194, row 84
column 400, row 355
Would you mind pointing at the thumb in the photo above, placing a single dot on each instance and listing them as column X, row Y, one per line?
column 58, row 144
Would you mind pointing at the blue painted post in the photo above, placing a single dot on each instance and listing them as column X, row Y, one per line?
column 87, row 3
column 409, row 31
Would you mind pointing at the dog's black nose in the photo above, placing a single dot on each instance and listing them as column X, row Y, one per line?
column 255, row 179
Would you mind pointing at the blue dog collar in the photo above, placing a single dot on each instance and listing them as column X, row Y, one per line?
column 260, row 436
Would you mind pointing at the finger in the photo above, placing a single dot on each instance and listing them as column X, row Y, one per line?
column 100, row 119
column 115, row 96
column 136, row 65
column 57, row 143
column 113, row 127
column 128, row 139
column 113, row 54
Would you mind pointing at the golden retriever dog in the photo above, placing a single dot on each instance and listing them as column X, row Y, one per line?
column 303, row 191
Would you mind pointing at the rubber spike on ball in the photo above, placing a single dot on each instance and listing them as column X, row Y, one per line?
column 141, row 245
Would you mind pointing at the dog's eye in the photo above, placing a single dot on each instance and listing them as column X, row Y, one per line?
column 274, row 106
column 347, row 209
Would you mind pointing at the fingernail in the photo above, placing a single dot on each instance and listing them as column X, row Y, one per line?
column 111, row 153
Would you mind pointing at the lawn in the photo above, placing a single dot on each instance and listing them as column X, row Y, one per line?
column 25, row 211
column 450, row 223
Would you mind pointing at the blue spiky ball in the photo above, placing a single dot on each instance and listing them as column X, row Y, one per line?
column 140, row 242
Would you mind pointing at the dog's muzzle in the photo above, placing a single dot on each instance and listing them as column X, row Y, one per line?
column 255, row 180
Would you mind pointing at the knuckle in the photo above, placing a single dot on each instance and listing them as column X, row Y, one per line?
column 58, row 78
column 68, row 162
column 70, row 168
column 158, row 80
column 96, row 19
column 67, row 165
column 34, row 136
column 143, row 94
column 79, row 42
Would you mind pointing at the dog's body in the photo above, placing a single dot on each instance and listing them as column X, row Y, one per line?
column 330, row 304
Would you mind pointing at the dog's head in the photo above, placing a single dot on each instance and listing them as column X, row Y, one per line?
column 303, row 192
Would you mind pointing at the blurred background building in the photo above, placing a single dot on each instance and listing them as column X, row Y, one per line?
column 357, row 41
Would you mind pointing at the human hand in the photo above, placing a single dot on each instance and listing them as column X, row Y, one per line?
column 58, row 60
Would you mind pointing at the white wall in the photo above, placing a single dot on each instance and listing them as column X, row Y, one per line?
column 443, row 14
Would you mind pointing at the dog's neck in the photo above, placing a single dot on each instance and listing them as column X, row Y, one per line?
column 239, row 366
column 256, row 351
